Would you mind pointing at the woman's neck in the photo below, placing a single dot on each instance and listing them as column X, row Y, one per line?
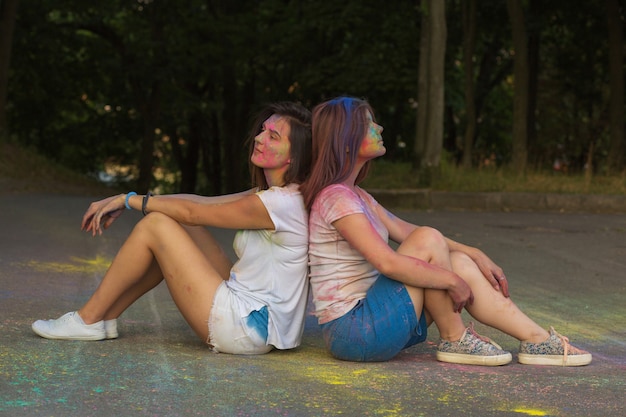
column 275, row 177
column 351, row 180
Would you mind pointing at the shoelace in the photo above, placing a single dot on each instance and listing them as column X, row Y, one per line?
column 480, row 337
column 564, row 342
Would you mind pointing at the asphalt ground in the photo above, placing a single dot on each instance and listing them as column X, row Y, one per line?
column 565, row 270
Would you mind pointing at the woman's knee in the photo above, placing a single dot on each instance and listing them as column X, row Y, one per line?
column 431, row 237
column 426, row 243
column 156, row 223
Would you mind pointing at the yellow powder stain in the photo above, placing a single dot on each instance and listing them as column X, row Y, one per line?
column 331, row 377
column 327, row 376
column 97, row 264
column 531, row 411
column 363, row 371
column 389, row 412
column 357, row 385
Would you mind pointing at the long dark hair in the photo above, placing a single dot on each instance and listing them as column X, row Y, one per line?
column 339, row 127
column 299, row 119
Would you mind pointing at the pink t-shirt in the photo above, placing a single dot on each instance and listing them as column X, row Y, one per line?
column 340, row 275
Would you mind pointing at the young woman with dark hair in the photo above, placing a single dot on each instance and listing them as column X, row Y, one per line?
column 250, row 307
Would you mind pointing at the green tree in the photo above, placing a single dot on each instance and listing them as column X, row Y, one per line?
column 480, row 71
column 8, row 11
column 469, row 45
column 169, row 87
column 521, row 95
column 429, row 138
column 574, row 87
column 615, row 26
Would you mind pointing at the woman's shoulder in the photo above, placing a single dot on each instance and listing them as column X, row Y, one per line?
column 282, row 198
column 284, row 190
column 337, row 189
column 365, row 195
column 344, row 191
column 339, row 193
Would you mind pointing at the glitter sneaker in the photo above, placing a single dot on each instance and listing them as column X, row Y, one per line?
column 556, row 350
column 472, row 349
column 70, row 326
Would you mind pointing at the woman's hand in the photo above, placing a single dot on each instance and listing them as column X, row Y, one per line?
column 461, row 295
column 101, row 214
column 492, row 272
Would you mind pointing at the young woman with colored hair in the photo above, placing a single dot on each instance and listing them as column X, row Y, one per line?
column 373, row 301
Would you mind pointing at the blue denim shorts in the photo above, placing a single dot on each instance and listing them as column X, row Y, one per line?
column 378, row 327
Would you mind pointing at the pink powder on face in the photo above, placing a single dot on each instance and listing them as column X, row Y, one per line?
column 272, row 149
column 271, row 125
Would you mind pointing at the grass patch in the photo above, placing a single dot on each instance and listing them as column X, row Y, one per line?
column 23, row 170
column 396, row 175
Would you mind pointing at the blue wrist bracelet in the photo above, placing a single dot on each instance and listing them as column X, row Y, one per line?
column 129, row 195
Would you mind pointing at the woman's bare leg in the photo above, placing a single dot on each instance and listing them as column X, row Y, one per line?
column 429, row 245
column 160, row 248
column 153, row 275
column 150, row 279
column 491, row 307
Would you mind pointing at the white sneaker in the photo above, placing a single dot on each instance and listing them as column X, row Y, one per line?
column 71, row 326
column 110, row 329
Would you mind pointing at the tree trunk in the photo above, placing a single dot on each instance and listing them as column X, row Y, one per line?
column 520, row 92
column 231, row 138
column 616, row 75
column 149, row 105
column 469, row 42
column 429, row 138
column 533, row 77
column 146, row 156
column 187, row 157
column 490, row 74
column 422, row 91
column 8, row 11
column 589, row 165
column 212, row 165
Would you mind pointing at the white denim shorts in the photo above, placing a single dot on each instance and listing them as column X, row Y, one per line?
column 228, row 332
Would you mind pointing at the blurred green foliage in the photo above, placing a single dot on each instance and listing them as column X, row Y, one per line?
column 105, row 84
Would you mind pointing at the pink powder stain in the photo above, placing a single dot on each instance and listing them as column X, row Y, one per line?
column 272, row 147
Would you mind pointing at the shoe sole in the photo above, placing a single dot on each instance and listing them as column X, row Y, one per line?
column 465, row 359
column 554, row 360
column 55, row 337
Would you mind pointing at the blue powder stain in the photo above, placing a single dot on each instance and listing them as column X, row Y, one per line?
column 258, row 321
